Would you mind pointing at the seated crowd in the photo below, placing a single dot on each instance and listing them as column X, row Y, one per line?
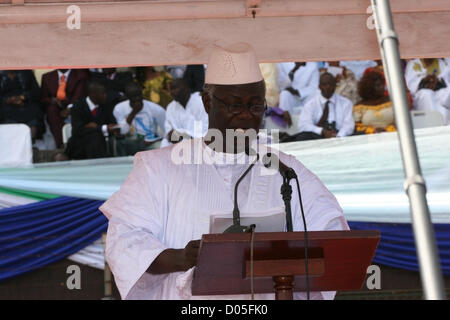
column 118, row 113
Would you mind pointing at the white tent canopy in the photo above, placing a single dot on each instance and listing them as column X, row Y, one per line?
column 132, row 33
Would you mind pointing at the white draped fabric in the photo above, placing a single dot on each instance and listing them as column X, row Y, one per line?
column 162, row 204
column 9, row 200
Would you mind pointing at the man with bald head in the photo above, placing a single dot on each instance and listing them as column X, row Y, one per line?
column 165, row 205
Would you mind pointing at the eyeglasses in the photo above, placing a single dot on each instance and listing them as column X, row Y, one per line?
column 255, row 109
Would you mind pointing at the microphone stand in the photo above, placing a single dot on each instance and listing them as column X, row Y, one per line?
column 236, row 227
column 286, row 193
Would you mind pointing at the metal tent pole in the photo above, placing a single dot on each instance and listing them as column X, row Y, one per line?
column 430, row 270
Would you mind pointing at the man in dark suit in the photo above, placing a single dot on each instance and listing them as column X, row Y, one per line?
column 92, row 119
column 19, row 101
column 59, row 89
column 115, row 83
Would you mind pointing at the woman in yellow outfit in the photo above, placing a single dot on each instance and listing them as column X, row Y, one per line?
column 155, row 85
column 374, row 113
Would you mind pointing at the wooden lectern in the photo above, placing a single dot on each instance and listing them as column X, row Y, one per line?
column 337, row 260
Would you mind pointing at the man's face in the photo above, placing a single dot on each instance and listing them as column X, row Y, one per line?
column 217, row 104
column 98, row 96
column 134, row 95
column 327, row 85
column 180, row 92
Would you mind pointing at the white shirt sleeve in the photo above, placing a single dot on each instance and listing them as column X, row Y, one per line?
column 306, row 121
column 105, row 130
column 169, row 119
column 412, row 76
column 121, row 118
column 136, row 220
column 348, row 123
column 199, row 115
column 160, row 115
column 283, row 77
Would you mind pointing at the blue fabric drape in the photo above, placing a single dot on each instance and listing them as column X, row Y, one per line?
column 37, row 234
column 397, row 248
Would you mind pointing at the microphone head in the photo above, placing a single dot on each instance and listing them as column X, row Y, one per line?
column 269, row 160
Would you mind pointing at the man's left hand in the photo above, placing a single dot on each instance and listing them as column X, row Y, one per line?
column 64, row 113
column 329, row 133
column 113, row 129
column 287, row 118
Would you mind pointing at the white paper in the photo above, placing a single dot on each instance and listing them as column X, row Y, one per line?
column 269, row 221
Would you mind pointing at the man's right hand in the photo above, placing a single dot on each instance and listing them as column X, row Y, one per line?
column 176, row 260
column 190, row 254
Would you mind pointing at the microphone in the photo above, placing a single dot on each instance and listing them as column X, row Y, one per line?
column 236, row 227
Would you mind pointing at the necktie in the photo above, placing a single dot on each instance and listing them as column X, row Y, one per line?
column 61, row 93
column 324, row 117
column 94, row 112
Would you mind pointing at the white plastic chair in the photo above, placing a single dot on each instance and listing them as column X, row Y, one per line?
column 15, row 146
column 66, row 132
column 426, row 119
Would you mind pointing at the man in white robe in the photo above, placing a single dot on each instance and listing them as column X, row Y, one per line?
column 297, row 83
column 185, row 115
column 164, row 205
column 428, row 80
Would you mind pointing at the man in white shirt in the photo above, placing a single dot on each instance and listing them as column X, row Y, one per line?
column 141, row 122
column 326, row 115
column 164, row 207
column 185, row 115
column 297, row 82
column 428, row 81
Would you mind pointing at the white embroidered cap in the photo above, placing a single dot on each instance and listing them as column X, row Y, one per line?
column 235, row 64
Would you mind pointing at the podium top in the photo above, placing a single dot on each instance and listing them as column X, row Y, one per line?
column 344, row 257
